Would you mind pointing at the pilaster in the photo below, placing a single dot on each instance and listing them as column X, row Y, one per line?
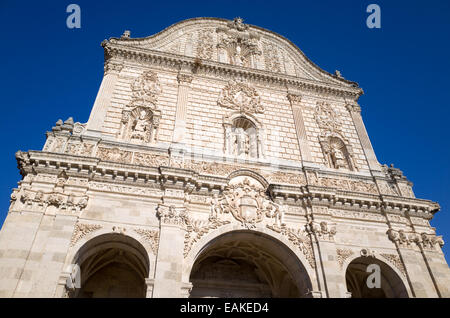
column 355, row 113
column 184, row 82
column 295, row 100
column 169, row 261
column 103, row 99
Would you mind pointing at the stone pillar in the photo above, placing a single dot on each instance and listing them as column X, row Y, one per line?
column 355, row 113
column 16, row 239
column 170, row 258
column 414, row 267
column 184, row 81
column 103, row 99
column 324, row 230
column 305, row 152
column 438, row 269
column 150, row 282
column 51, row 244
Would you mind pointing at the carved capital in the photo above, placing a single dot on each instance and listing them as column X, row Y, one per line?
column 184, row 78
column 172, row 215
column 112, row 67
column 294, row 99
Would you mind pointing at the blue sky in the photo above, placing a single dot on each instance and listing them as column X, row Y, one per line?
column 51, row 72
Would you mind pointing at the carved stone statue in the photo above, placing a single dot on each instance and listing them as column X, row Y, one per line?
column 338, row 158
column 242, row 144
column 140, row 127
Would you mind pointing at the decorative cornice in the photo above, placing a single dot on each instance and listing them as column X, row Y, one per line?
column 174, row 61
column 156, row 171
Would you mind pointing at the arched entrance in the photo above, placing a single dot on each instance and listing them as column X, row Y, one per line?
column 248, row 264
column 112, row 265
column 391, row 285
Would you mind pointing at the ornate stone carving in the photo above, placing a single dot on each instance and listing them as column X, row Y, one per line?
column 40, row 201
column 242, row 97
column 151, row 236
column 145, row 90
column 294, row 99
column 80, row 149
column 429, row 241
column 327, row 119
column 342, row 255
column 172, row 215
column 396, row 261
column 349, row 185
column 184, row 78
column 213, row 168
column 112, row 67
column 337, row 151
column 406, row 239
column 196, row 229
column 285, row 177
column 114, row 154
column 237, row 24
column 299, row 238
column 247, row 203
column 238, row 44
column 81, row 230
column 271, row 58
column 205, row 48
column 148, row 159
column 323, row 230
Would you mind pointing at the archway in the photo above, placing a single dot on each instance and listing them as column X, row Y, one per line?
column 391, row 285
column 112, row 265
column 248, row 264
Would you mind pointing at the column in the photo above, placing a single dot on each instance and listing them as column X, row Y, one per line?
column 169, row 261
column 323, row 230
column 103, row 99
column 184, row 81
column 305, row 152
column 355, row 112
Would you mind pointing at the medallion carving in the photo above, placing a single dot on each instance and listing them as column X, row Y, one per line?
column 240, row 96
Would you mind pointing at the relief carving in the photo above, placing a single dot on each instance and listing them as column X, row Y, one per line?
column 342, row 255
column 151, row 236
column 299, row 238
column 81, row 230
column 396, row 261
column 240, row 96
column 248, row 204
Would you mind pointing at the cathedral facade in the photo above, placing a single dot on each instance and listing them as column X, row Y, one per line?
column 218, row 161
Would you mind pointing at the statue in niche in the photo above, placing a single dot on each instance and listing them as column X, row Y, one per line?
column 241, row 142
column 239, row 59
column 338, row 158
column 140, row 127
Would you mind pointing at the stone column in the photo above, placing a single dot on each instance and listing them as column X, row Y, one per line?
column 150, row 282
column 414, row 267
column 323, row 230
column 305, row 152
column 438, row 269
column 103, row 99
column 169, row 261
column 355, row 113
column 184, row 81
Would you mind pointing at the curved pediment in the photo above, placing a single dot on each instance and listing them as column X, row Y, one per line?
column 235, row 43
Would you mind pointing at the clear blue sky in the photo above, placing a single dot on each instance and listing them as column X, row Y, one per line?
column 51, row 72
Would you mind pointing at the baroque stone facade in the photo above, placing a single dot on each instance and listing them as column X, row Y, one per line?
column 217, row 161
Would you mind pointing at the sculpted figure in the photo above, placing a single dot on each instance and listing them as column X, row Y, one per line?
column 140, row 127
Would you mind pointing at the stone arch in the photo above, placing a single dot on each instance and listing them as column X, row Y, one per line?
column 140, row 124
column 337, row 151
column 393, row 282
column 298, row 266
column 251, row 174
column 111, row 265
column 239, row 124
